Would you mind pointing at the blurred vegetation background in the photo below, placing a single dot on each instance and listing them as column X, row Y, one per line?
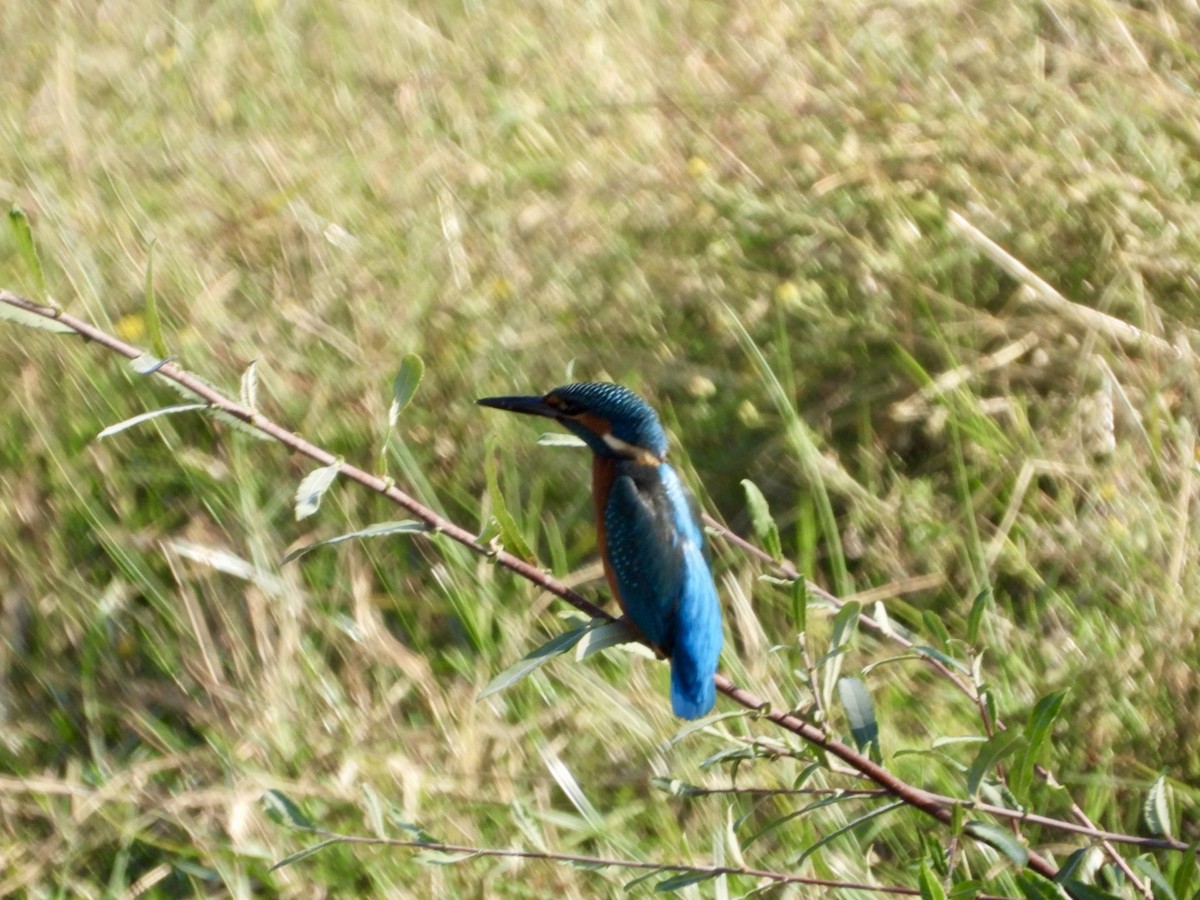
column 745, row 212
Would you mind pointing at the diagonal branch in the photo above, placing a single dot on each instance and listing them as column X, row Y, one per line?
column 926, row 802
column 334, row 837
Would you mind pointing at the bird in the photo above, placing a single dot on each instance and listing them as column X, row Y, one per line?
column 647, row 530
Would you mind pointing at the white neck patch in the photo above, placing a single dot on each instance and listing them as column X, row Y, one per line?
column 640, row 454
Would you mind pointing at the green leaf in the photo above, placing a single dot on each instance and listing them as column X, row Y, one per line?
column 1077, row 890
column 382, row 529
column 993, row 750
column 1157, row 809
column 774, row 824
column 308, row 851
column 860, row 713
column 931, row 886
column 510, row 534
column 415, row 832
column 975, row 617
column 1185, row 875
column 611, row 634
column 1163, row 889
column 1073, row 869
column 849, row 826
column 845, row 623
column 313, row 488
column 153, row 324
column 1034, row 887
column 936, row 628
column 29, row 319
column 760, row 517
column 800, row 605
column 19, row 223
column 675, row 787
column 1037, row 732
column 966, row 890
column 148, row 364
column 1004, row 841
column 442, row 858
column 412, row 370
column 534, row 660
column 682, row 881
column 280, row 809
column 948, row 661
column 147, row 416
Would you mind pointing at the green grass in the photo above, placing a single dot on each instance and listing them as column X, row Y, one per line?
column 742, row 212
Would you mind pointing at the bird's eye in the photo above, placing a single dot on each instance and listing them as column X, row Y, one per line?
column 564, row 406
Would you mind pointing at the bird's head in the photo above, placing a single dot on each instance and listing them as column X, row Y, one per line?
column 612, row 420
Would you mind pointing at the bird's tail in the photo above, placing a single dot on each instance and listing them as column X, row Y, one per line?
column 692, row 693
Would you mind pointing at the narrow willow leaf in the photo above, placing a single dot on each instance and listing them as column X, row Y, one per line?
column 1000, row 839
column 148, row 364
column 941, row 657
column 849, row 826
column 23, row 233
column 510, row 533
column 1078, row 890
column 412, row 370
column 1037, row 732
column 675, row 787
column 990, row 754
column 1185, row 875
column 533, row 661
column 774, row 824
column 800, row 605
column 30, row 320
column 249, row 386
column 966, row 890
column 931, row 886
column 153, row 414
column 760, row 517
column 241, row 426
column 1157, row 810
column 416, row 832
column 313, row 488
column 1034, row 887
column 975, row 617
column 301, row 854
column 1148, row 867
column 569, row 785
column 153, row 323
column 280, row 809
column 860, row 713
column 382, row 529
column 603, row 634
column 682, row 881
column 561, row 440
column 442, row 858
column 936, row 628
column 845, row 623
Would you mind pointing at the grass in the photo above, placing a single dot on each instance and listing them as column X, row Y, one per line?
column 742, row 212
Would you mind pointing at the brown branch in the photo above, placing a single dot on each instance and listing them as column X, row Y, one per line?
column 928, row 803
column 468, row 852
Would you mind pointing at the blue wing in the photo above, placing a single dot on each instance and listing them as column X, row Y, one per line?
column 656, row 550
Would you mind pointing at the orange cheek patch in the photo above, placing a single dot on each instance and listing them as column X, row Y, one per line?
column 592, row 422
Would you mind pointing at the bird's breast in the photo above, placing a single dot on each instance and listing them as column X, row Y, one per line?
column 604, row 473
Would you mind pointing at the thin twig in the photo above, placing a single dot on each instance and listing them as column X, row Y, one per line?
column 596, row 861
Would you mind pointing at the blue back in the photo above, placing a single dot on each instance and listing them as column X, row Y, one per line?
column 656, row 551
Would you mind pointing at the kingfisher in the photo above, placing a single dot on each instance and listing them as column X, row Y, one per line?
column 647, row 529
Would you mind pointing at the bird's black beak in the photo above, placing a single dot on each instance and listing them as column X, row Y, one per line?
column 530, row 406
